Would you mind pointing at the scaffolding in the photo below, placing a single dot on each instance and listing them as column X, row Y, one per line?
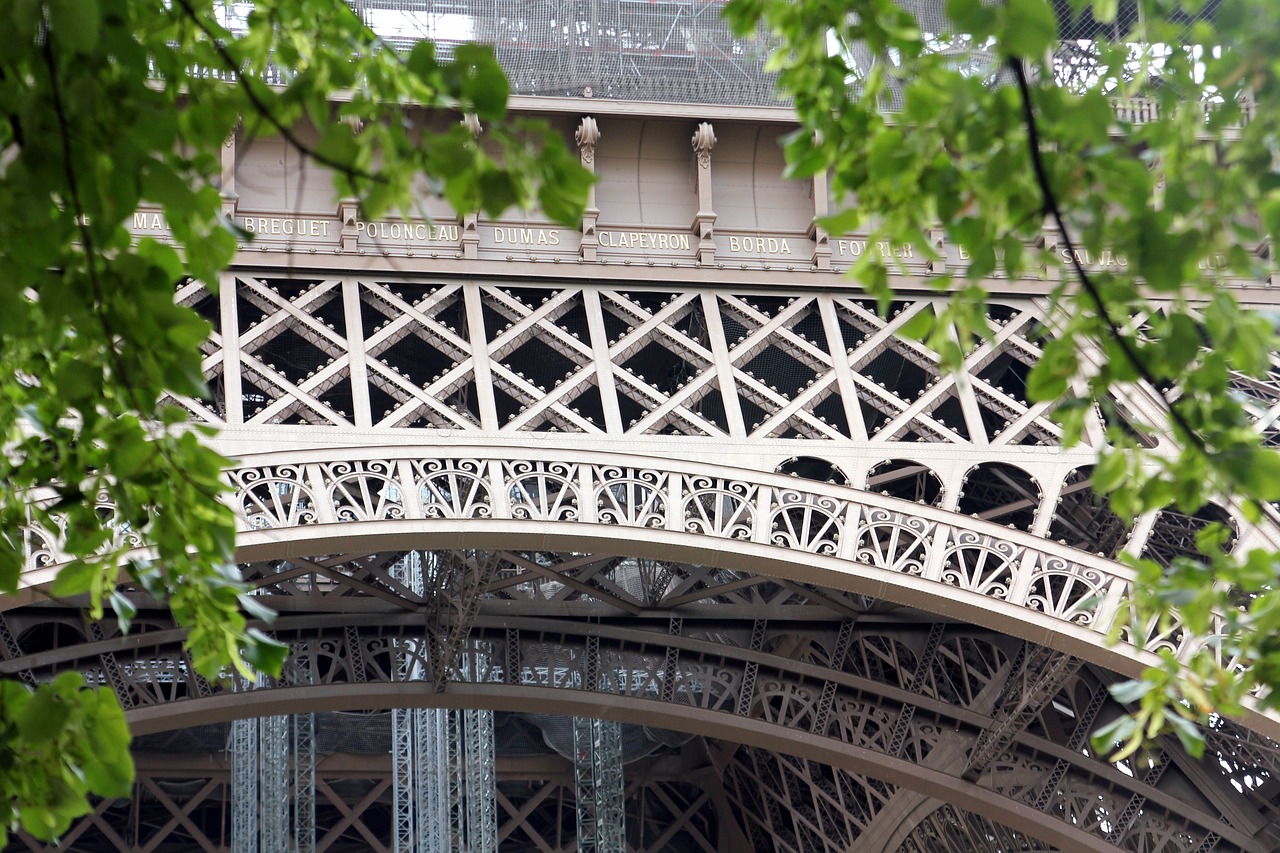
column 444, row 764
column 597, row 765
column 273, row 795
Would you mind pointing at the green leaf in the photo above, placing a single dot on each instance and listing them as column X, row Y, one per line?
column 1028, row 28
column 76, row 578
column 422, row 61
column 1189, row 735
column 1128, row 692
column 481, row 83
column 919, row 326
column 1255, row 472
column 1269, row 210
column 124, row 609
column 75, row 24
column 263, row 653
column 44, row 716
column 1118, row 731
column 1104, row 11
column 130, row 453
column 1109, row 472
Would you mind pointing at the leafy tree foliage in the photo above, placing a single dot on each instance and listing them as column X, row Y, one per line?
column 986, row 132
column 108, row 104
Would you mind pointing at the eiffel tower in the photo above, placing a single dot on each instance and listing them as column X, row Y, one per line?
column 650, row 535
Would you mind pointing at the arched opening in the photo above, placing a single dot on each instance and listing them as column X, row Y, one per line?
column 1001, row 493
column 906, row 480
column 1173, row 534
column 812, row 468
column 1083, row 519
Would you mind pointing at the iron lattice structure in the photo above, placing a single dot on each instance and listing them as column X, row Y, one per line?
column 649, row 535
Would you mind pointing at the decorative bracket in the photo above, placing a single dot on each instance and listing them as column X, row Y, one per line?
column 586, row 136
column 704, row 139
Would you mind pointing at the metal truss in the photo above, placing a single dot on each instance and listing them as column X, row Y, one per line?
column 606, row 360
column 608, row 422
column 1004, row 721
column 304, row 782
column 478, row 761
column 244, row 785
column 297, row 356
column 184, row 809
column 275, row 789
column 272, row 790
column 597, row 764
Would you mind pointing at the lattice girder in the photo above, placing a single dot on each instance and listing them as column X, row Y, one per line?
column 954, row 705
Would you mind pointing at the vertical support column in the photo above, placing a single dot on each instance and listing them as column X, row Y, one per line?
column 444, row 764
column 358, row 370
column 454, row 804
column 304, row 782
column 407, row 754
column 436, row 802
column 431, row 799
column 723, row 364
column 704, row 139
column 244, row 786
column 273, row 752
column 597, row 749
column 403, row 762
column 480, row 356
column 587, row 135
column 233, row 404
column 481, row 776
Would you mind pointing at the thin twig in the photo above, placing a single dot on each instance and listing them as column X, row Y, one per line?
column 1090, row 286
column 264, row 111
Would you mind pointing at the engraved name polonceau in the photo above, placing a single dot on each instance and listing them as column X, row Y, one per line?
column 668, row 471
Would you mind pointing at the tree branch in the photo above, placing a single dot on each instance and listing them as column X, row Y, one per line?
column 1090, row 286
column 264, row 111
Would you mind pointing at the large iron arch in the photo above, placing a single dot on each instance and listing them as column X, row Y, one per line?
column 955, row 566
column 925, row 742
column 814, row 536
